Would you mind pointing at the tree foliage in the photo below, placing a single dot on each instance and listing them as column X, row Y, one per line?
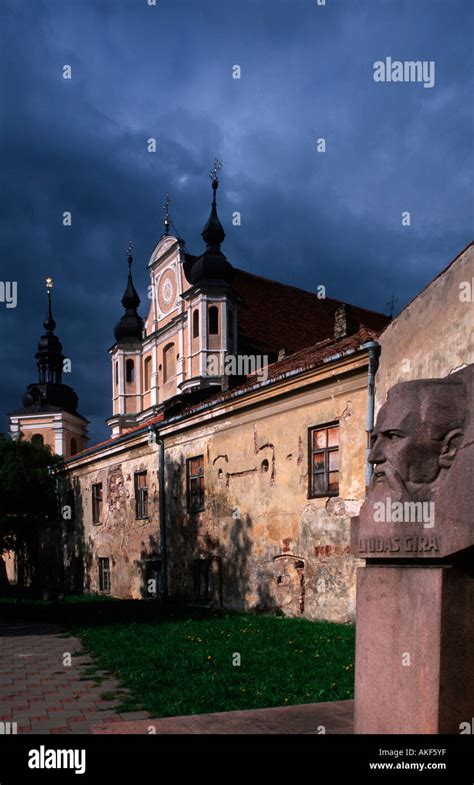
column 27, row 488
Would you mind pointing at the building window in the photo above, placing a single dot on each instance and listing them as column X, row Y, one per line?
column 147, row 373
column 73, row 446
column 130, row 371
column 203, row 583
column 196, row 323
column 169, row 363
column 324, row 460
column 213, row 320
column 37, row 439
column 195, row 483
column 141, row 495
column 97, row 503
column 104, row 575
column 230, row 329
column 152, row 577
column 116, row 374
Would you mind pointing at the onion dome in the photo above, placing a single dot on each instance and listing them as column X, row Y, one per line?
column 212, row 266
column 130, row 326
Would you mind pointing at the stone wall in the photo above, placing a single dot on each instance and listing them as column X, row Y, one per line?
column 433, row 336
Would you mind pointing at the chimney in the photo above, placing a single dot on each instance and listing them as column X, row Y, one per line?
column 344, row 322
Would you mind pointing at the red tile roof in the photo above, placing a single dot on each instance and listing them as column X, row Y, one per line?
column 274, row 316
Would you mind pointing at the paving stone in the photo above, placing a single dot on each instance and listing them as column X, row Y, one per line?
column 39, row 693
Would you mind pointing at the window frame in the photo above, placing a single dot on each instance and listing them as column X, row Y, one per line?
column 153, row 567
column 312, row 494
column 104, row 573
column 215, row 321
column 207, row 598
column 169, row 362
column 141, row 496
column 195, row 323
column 130, row 366
column 97, row 520
column 147, row 373
column 190, row 480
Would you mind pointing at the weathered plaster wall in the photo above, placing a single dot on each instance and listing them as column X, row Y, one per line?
column 272, row 546
column 126, row 541
column 433, row 335
column 277, row 548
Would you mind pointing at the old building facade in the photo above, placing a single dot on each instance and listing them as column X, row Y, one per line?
column 238, row 446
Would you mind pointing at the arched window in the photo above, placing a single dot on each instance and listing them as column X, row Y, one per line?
column 116, row 374
column 73, row 446
column 213, row 320
column 37, row 439
column 230, row 329
column 196, row 323
column 169, row 362
column 130, row 371
column 147, row 373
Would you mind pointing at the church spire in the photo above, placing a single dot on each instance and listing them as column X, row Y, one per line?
column 167, row 219
column 130, row 326
column 212, row 266
column 213, row 234
column 49, row 356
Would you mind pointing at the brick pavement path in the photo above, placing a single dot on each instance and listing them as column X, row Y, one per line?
column 41, row 694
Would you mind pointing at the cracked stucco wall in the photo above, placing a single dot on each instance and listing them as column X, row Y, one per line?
column 433, row 336
column 276, row 547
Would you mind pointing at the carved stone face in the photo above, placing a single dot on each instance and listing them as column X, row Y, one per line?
column 423, row 458
column 417, row 434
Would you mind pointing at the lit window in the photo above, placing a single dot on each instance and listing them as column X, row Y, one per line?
column 324, row 460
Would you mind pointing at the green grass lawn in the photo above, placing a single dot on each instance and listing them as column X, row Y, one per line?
column 185, row 666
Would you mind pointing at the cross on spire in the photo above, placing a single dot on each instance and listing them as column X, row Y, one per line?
column 391, row 304
column 167, row 219
column 214, row 173
column 130, row 256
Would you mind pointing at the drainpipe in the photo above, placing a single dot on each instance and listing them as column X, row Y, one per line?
column 163, row 588
column 373, row 351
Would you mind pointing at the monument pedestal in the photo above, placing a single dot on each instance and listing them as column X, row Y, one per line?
column 414, row 649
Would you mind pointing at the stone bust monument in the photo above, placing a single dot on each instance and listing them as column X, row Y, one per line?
column 420, row 502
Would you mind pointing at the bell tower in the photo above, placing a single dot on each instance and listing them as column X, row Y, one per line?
column 212, row 308
column 49, row 414
column 127, row 360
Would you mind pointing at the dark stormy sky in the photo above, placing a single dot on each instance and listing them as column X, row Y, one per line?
column 165, row 71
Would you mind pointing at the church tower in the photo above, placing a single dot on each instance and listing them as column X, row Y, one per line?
column 49, row 414
column 126, row 355
column 211, row 304
column 178, row 352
